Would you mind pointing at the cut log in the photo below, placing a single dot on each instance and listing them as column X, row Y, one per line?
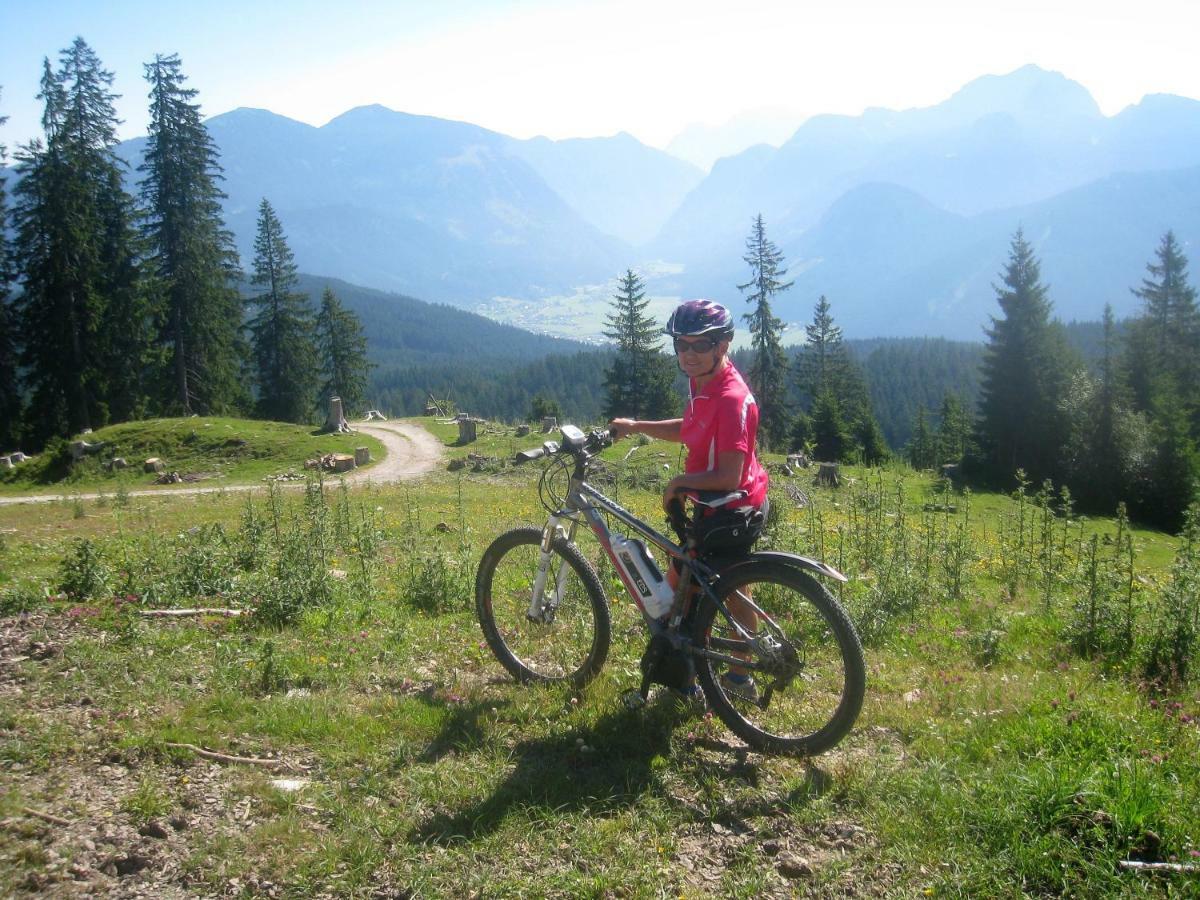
column 336, row 421
column 827, row 474
column 342, row 462
column 225, row 757
column 80, row 449
column 182, row 613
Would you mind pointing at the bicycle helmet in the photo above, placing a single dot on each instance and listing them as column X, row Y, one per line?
column 696, row 317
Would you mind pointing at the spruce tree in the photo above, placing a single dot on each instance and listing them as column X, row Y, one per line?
column 192, row 254
column 80, row 313
column 768, row 371
column 823, row 366
column 953, row 439
column 1025, row 369
column 829, row 435
column 922, row 449
column 640, row 379
column 285, row 355
column 343, row 352
column 821, row 361
column 10, row 395
column 1164, row 343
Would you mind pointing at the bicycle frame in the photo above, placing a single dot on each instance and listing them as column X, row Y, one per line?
column 584, row 499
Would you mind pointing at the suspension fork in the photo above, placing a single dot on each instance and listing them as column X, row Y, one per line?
column 541, row 608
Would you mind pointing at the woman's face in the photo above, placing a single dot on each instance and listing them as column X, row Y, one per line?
column 699, row 356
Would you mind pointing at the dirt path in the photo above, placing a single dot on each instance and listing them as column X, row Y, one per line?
column 411, row 452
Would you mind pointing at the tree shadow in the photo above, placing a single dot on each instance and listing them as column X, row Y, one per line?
column 603, row 768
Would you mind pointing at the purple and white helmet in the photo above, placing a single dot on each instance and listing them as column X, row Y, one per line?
column 696, row 317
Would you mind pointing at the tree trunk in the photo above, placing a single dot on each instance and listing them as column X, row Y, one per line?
column 336, row 422
column 827, row 474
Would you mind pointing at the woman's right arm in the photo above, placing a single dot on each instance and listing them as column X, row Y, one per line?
column 664, row 429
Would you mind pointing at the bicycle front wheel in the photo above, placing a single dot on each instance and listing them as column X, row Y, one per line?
column 565, row 635
column 805, row 665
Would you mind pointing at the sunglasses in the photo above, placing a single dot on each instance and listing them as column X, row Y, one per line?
column 701, row 346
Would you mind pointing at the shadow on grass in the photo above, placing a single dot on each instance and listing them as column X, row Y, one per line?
column 607, row 767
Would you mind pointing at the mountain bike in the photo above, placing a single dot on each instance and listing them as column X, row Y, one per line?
column 545, row 616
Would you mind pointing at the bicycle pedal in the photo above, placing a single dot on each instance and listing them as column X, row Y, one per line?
column 633, row 699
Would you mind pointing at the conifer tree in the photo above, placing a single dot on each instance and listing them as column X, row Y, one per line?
column 639, row 381
column 1164, row 344
column 343, row 352
column 821, row 361
column 768, row 372
column 10, row 396
column 953, row 438
column 192, row 254
column 1025, row 369
column 829, row 436
column 823, row 366
column 285, row 355
column 921, row 450
column 80, row 313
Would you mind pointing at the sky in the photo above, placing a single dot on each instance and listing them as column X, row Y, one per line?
column 582, row 68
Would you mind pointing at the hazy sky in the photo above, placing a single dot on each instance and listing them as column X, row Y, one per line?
column 568, row 68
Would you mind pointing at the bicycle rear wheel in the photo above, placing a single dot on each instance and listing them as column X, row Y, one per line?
column 568, row 638
column 807, row 668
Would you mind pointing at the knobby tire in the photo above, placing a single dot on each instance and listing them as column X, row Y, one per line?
column 816, row 709
column 575, row 645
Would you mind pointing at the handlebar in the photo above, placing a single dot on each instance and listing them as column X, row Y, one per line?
column 574, row 442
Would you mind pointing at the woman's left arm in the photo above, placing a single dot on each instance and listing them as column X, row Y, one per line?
column 727, row 476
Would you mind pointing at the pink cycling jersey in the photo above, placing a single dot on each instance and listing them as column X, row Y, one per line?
column 723, row 417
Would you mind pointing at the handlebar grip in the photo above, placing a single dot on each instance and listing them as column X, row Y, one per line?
column 524, row 456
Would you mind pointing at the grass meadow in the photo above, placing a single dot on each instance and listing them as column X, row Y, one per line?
column 1031, row 719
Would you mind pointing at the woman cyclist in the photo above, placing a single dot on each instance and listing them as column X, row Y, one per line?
column 719, row 427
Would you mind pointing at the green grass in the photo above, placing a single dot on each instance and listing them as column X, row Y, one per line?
column 1001, row 765
column 215, row 449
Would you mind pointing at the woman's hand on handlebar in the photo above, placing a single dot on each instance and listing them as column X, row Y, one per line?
column 622, row 428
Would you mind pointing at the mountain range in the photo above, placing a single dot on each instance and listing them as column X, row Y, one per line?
column 901, row 218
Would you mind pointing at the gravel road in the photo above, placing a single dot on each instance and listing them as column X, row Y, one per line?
column 411, row 451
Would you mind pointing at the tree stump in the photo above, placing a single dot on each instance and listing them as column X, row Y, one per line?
column 342, row 462
column 336, row 422
column 80, row 449
column 6, row 462
column 827, row 474
column 466, row 430
column 549, row 423
column 153, row 464
column 362, row 456
column 522, row 430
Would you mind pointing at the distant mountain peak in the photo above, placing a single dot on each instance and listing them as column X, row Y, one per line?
column 1029, row 90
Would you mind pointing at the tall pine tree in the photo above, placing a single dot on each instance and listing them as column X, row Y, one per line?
column 343, row 352
column 1025, row 369
column 192, row 254
column 285, row 355
column 80, row 312
column 768, row 371
column 639, row 381
column 1164, row 343
column 824, row 367
column 10, row 395
column 822, row 360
